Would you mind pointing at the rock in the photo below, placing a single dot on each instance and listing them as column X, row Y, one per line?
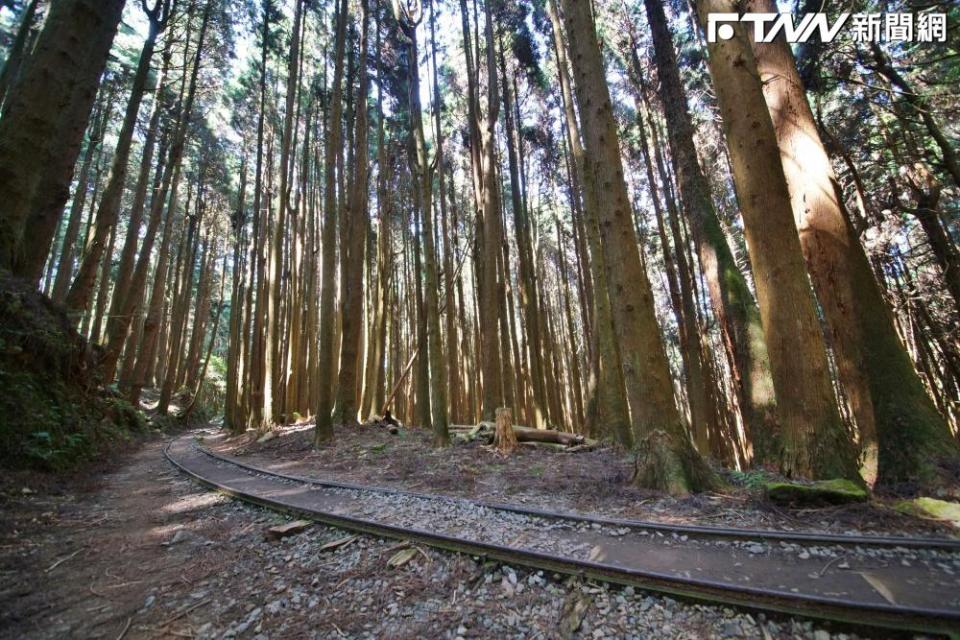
column 288, row 529
column 148, row 602
column 730, row 629
column 571, row 616
column 267, row 437
column 837, row 491
column 180, row 536
column 248, row 621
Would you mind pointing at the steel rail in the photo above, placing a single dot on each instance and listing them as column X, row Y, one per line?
column 863, row 614
column 700, row 531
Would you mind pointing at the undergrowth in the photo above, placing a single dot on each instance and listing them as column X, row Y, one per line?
column 54, row 413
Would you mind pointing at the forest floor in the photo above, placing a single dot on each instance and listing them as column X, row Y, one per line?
column 591, row 482
column 139, row 551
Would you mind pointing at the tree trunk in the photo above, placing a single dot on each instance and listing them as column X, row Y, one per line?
column 43, row 124
column 65, row 261
column 169, row 184
column 731, row 300
column 78, row 299
column 18, row 49
column 274, row 408
column 505, row 439
column 117, row 324
column 325, row 352
column 815, row 442
column 607, row 404
column 887, row 396
column 357, row 213
column 644, row 362
column 528, row 292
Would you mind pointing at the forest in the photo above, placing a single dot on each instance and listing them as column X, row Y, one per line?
column 603, row 254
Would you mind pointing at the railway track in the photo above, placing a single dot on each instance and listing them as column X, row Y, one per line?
column 891, row 582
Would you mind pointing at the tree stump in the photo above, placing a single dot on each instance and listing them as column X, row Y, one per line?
column 504, row 439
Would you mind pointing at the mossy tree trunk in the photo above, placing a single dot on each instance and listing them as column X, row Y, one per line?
column 733, row 304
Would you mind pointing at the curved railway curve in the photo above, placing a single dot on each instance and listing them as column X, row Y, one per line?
column 892, row 582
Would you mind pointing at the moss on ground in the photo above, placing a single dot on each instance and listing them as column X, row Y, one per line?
column 838, row 491
column 54, row 413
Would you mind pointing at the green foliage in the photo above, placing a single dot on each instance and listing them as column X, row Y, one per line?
column 42, row 448
column 213, row 389
column 753, row 479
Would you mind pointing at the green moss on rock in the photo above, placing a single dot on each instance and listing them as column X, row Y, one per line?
column 931, row 508
column 838, row 491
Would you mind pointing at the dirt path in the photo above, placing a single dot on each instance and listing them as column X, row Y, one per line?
column 147, row 554
column 95, row 563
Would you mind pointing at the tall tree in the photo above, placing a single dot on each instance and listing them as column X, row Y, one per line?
column 78, row 299
column 732, row 302
column 667, row 460
column 814, row 439
column 42, row 127
column 492, row 233
column 357, row 213
column 887, row 397
column 325, row 359
column 607, row 409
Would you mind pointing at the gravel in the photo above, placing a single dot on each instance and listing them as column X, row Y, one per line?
column 291, row 589
column 466, row 518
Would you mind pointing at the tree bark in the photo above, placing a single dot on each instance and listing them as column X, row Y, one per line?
column 18, row 49
column 887, row 396
column 607, row 402
column 357, row 213
column 43, row 124
column 731, row 300
column 65, row 262
column 169, row 184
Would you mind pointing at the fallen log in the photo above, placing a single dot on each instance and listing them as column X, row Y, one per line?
column 526, row 434
column 486, row 431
